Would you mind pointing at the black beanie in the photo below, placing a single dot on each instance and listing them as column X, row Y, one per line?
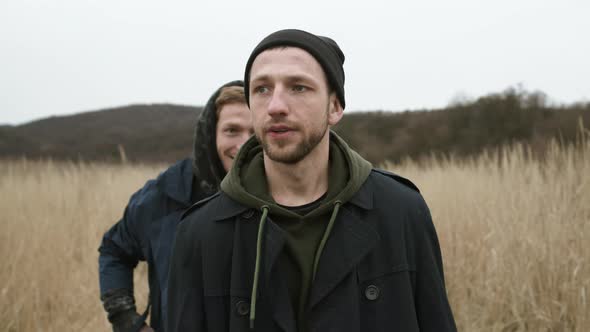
column 323, row 49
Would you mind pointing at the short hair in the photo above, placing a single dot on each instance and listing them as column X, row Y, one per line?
column 229, row 95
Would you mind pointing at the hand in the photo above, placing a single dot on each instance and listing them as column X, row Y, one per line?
column 146, row 328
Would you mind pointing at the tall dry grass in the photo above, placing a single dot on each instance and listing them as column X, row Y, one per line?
column 53, row 215
column 514, row 232
column 515, row 236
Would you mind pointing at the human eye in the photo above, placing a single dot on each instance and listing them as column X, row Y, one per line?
column 299, row 88
column 260, row 89
column 230, row 131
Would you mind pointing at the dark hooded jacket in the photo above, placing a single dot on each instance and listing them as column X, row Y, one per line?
column 146, row 230
column 378, row 265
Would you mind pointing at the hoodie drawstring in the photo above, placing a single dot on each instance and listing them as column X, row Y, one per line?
column 257, row 265
column 327, row 232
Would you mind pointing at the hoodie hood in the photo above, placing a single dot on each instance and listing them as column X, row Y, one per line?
column 247, row 184
column 207, row 167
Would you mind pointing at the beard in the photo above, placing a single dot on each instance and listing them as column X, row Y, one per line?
column 284, row 152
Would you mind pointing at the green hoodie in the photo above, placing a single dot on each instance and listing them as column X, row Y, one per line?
column 306, row 234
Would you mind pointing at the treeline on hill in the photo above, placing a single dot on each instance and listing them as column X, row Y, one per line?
column 164, row 133
column 465, row 128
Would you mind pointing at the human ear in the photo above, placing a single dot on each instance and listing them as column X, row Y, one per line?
column 335, row 111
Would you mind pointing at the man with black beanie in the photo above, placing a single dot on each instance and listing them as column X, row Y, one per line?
column 305, row 235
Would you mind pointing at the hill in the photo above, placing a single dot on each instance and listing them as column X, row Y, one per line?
column 164, row 133
column 158, row 132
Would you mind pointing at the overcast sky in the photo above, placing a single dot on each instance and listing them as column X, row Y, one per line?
column 67, row 56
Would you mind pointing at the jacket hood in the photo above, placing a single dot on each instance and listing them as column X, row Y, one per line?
column 207, row 167
column 246, row 181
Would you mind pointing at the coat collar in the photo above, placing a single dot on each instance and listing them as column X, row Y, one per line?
column 226, row 208
column 363, row 198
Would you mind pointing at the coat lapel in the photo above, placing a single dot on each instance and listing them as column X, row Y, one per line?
column 351, row 239
column 271, row 287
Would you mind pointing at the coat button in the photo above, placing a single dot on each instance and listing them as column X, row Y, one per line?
column 243, row 308
column 372, row 293
column 248, row 214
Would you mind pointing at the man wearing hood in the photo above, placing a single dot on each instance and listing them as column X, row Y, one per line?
column 305, row 235
column 146, row 231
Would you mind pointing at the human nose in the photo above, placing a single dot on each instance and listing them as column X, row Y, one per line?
column 277, row 104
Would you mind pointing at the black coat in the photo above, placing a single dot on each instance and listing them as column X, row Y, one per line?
column 381, row 268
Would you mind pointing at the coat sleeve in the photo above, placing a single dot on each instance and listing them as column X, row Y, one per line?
column 432, row 305
column 120, row 249
column 185, row 282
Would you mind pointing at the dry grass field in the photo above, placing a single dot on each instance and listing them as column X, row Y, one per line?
column 515, row 235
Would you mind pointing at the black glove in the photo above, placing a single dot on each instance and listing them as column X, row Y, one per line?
column 120, row 307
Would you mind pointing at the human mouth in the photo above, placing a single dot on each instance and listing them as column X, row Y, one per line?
column 279, row 131
column 231, row 154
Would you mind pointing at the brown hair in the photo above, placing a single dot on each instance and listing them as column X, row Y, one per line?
column 229, row 95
